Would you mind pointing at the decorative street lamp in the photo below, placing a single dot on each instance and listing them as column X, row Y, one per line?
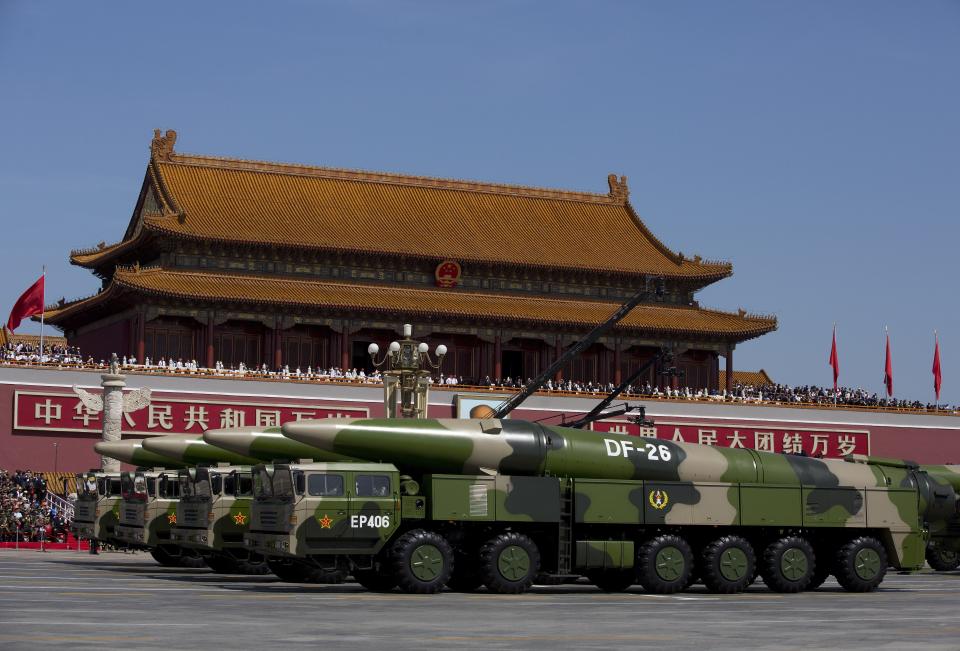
column 408, row 365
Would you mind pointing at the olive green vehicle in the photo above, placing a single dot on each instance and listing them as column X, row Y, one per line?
column 499, row 502
column 97, row 509
column 148, row 510
column 212, row 516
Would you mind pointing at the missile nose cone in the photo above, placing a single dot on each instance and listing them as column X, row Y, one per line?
column 239, row 439
column 171, row 445
column 121, row 450
column 319, row 433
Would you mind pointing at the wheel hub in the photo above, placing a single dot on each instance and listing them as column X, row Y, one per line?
column 733, row 564
column 426, row 562
column 866, row 564
column 793, row 564
column 669, row 563
column 514, row 563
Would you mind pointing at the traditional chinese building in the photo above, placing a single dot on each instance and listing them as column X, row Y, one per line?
column 256, row 262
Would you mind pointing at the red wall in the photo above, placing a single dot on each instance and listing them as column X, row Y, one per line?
column 100, row 343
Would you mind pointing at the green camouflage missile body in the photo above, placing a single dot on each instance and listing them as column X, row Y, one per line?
column 267, row 444
column 627, row 494
column 132, row 452
column 191, row 449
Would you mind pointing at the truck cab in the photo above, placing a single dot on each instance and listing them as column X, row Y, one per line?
column 148, row 512
column 96, row 513
column 212, row 516
column 322, row 513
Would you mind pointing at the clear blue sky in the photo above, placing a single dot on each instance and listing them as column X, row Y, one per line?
column 816, row 145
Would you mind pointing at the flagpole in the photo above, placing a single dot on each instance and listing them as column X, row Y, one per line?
column 43, row 309
column 936, row 348
column 835, row 382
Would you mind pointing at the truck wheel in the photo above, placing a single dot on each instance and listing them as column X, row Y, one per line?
column 613, row 580
column 728, row 565
column 665, row 564
column 164, row 557
column 788, row 564
column 942, row 560
column 254, row 565
column 375, row 581
column 422, row 561
column 509, row 563
column 221, row 564
column 861, row 564
column 190, row 558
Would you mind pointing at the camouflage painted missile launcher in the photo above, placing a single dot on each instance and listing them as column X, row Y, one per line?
column 97, row 509
column 148, row 511
column 212, row 515
column 497, row 502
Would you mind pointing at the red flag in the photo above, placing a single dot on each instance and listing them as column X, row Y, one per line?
column 888, row 370
column 834, row 360
column 29, row 303
column 936, row 367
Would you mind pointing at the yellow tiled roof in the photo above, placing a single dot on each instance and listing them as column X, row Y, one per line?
column 410, row 301
column 754, row 378
column 220, row 199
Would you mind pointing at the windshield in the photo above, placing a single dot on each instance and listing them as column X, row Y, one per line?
column 169, row 487
column 87, row 485
column 126, row 486
column 282, row 483
column 201, row 485
column 262, row 483
column 243, row 483
column 186, row 483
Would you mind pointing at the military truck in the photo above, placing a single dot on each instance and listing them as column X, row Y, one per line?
column 212, row 515
column 96, row 512
column 496, row 502
column 148, row 512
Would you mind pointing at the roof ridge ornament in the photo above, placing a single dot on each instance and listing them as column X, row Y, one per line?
column 618, row 187
column 162, row 145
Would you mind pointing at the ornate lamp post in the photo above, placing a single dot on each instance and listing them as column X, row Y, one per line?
column 407, row 371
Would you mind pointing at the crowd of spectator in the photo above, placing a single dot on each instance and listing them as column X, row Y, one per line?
column 26, row 513
column 26, row 353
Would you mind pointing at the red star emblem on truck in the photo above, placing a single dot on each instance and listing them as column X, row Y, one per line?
column 325, row 521
column 239, row 518
column 171, row 518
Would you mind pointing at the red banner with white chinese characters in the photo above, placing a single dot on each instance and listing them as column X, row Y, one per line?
column 812, row 442
column 63, row 412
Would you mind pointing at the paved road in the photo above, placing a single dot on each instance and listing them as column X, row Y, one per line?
column 128, row 601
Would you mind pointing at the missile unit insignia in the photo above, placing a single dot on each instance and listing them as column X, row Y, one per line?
column 659, row 499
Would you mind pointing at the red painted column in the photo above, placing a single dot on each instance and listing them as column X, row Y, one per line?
column 729, row 369
column 617, row 375
column 211, row 359
column 497, row 358
column 277, row 344
column 141, row 336
column 345, row 349
column 557, row 351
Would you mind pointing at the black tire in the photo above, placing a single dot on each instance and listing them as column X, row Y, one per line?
column 788, row 564
column 509, row 563
column 665, row 564
column 375, row 580
column 293, row 571
column 861, row 564
column 222, row 564
column 728, row 565
column 191, row 558
column 942, row 560
column 421, row 561
column 164, row 557
column 254, row 565
column 613, row 580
